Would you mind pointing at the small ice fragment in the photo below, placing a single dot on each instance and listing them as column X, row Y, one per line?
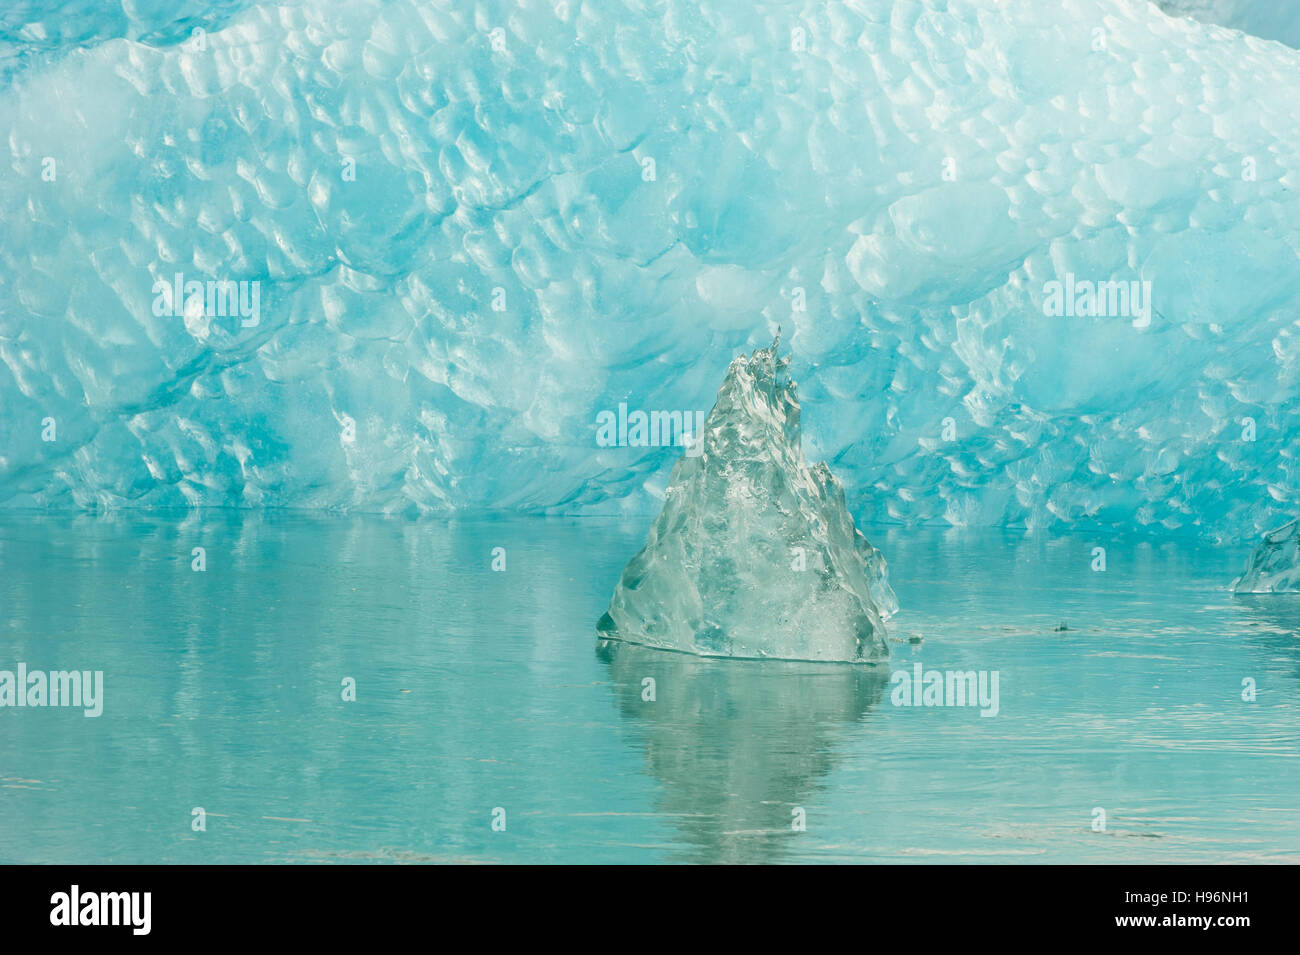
column 1274, row 567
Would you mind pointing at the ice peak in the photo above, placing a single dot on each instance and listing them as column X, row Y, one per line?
column 754, row 553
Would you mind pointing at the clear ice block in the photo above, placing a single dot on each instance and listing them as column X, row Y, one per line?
column 754, row 553
column 1274, row 566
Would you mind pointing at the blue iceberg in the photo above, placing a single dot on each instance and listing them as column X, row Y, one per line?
column 472, row 229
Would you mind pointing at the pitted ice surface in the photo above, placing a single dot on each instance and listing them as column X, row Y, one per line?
column 473, row 227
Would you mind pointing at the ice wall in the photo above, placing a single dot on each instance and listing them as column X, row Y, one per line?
column 473, row 228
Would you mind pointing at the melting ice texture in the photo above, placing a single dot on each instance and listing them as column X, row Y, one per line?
column 1272, row 21
column 754, row 553
column 1274, row 566
column 560, row 206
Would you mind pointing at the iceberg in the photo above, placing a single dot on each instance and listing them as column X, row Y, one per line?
column 475, row 227
column 1274, row 566
column 754, row 554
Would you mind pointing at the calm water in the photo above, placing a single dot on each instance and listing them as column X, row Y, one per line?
column 479, row 689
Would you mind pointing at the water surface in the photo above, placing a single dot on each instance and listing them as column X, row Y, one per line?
column 480, row 690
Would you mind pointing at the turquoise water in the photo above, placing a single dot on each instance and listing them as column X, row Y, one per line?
column 479, row 690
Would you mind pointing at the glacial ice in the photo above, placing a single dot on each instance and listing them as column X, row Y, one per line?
column 561, row 206
column 754, row 553
column 1270, row 21
column 1274, row 566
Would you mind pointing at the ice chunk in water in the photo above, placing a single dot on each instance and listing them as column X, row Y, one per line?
column 754, row 553
column 1274, row 567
